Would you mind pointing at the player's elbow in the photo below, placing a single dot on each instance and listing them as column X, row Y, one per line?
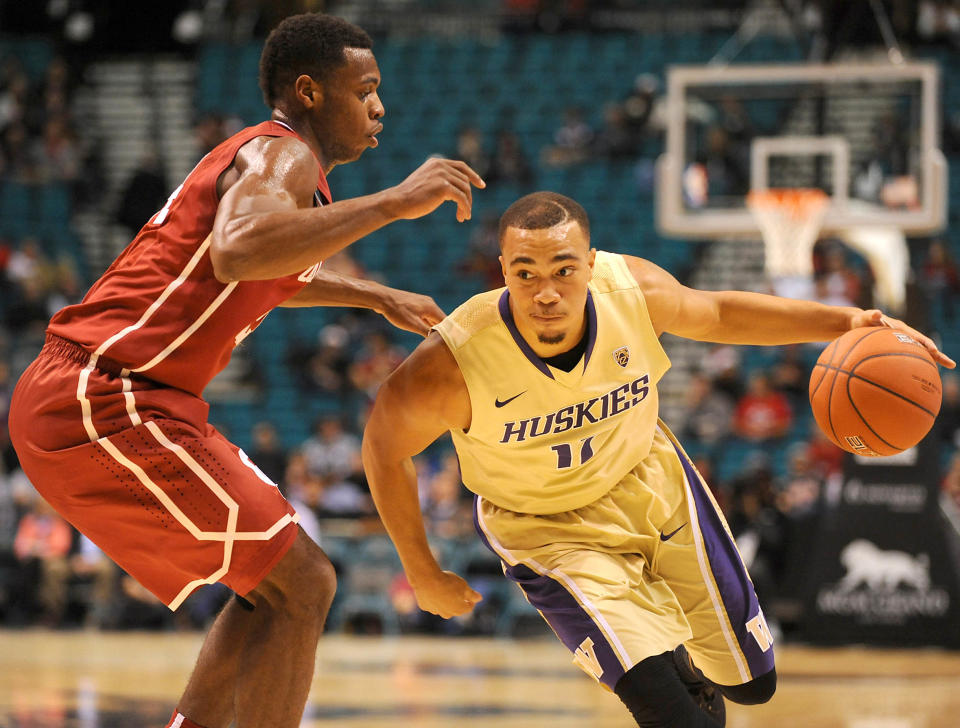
column 227, row 254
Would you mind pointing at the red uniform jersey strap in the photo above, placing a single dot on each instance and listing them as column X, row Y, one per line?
column 159, row 310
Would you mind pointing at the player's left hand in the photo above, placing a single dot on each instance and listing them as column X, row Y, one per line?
column 447, row 595
column 411, row 311
column 875, row 317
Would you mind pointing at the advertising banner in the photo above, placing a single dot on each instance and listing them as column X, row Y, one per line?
column 883, row 560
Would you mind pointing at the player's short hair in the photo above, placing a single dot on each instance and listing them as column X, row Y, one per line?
column 540, row 210
column 311, row 44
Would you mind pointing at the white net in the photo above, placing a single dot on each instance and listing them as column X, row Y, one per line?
column 790, row 221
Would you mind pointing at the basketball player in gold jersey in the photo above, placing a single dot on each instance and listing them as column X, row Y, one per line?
column 549, row 389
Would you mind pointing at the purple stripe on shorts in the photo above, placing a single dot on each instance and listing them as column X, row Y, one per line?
column 566, row 617
column 736, row 591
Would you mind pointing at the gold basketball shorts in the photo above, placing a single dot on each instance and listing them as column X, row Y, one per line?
column 648, row 566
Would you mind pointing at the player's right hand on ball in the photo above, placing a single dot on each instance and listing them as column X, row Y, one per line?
column 434, row 182
column 446, row 596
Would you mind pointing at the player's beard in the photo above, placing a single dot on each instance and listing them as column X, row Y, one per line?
column 551, row 338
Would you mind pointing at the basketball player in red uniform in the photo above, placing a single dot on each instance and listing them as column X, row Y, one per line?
column 109, row 422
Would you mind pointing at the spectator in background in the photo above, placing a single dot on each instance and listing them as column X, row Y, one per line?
column 66, row 289
column 482, row 252
column 90, row 564
column 267, row 452
column 762, row 413
column 304, row 491
column 145, row 193
column 27, row 317
column 56, row 89
column 377, row 358
column 509, row 163
column 41, row 546
column 790, row 376
column 446, row 515
column 341, row 498
column 470, row 150
column 948, row 421
column 14, row 95
column 639, row 104
column 825, row 457
column 57, row 152
column 801, row 489
column 571, row 142
column 18, row 161
column 725, row 170
column 323, row 367
column 722, row 365
column 26, row 261
column 616, row 139
column 951, row 480
column 331, row 452
column 709, row 412
column 837, row 284
column 940, row 278
column 208, row 131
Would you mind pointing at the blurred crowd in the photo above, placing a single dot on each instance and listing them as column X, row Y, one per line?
column 745, row 419
column 39, row 141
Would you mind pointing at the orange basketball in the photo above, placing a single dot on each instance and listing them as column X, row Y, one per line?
column 875, row 391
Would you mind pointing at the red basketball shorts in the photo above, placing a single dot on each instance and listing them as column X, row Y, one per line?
column 136, row 467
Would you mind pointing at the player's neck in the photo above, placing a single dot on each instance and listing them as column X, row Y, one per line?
column 305, row 132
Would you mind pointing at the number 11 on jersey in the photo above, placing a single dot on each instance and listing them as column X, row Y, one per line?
column 565, row 453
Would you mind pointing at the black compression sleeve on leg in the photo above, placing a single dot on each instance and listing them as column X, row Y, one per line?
column 657, row 698
column 759, row 690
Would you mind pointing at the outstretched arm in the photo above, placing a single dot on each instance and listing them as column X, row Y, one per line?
column 423, row 398
column 405, row 310
column 266, row 225
column 742, row 317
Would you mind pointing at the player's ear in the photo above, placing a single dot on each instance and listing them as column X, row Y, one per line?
column 503, row 267
column 591, row 259
column 308, row 92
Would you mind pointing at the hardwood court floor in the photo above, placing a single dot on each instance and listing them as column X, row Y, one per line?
column 106, row 680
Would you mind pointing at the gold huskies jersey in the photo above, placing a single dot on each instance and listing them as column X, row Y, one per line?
column 542, row 440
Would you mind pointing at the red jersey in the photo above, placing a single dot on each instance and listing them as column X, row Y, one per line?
column 159, row 310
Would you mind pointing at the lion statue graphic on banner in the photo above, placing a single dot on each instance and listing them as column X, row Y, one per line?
column 882, row 570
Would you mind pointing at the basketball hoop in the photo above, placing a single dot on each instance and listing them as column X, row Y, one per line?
column 790, row 221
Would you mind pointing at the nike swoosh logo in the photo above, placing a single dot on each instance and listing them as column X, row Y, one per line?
column 668, row 536
column 505, row 402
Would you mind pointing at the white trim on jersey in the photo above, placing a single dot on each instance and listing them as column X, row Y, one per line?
column 175, row 344
column 566, row 581
column 152, row 308
column 708, row 578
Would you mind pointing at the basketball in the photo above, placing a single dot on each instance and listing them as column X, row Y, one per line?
column 875, row 391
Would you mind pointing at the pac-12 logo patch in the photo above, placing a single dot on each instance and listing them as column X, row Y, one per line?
column 622, row 355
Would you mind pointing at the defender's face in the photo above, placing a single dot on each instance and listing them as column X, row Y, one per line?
column 349, row 117
column 547, row 272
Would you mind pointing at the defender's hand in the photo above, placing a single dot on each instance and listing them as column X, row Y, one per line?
column 433, row 183
column 411, row 311
column 446, row 595
column 875, row 317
